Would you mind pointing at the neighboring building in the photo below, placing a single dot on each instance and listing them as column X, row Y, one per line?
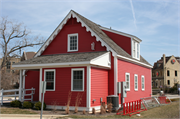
column 87, row 59
column 11, row 61
column 27, row 55
column 166, row 71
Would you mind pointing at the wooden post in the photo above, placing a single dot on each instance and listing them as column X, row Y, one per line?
column 2, row 97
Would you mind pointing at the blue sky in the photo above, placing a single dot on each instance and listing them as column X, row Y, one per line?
column 155, row 22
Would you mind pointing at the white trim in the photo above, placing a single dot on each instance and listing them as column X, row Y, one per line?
column 144, row 83
column 121, row 33
column 88, row 99
column 51, row 64
column 20, row 86
column 73, row 107
column 135, row 75
column 58, row 29
column 129, row 81
column 115, row 75
column 40, row 79
column 46, row 70
column 134, row 61
column 77, row 69
column 102, row 60
column 68, row 46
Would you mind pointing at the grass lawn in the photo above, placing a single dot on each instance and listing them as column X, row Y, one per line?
column 5, row 110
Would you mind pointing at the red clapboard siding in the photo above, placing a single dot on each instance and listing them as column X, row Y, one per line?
column 32, row 80
column 123, row 41
column 59, row 44
column 131, row 68
column 99, row 85
column 62, row 88
column 111, row 78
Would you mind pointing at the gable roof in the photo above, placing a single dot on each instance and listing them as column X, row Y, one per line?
column 27, row 55
column 96, row 31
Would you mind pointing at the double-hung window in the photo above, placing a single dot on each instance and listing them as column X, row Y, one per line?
column 135, row 49
column 77, row 79
column 135, row 82
column 142, row 83
column 72, row 42
column 127, row 77
column 49, row 77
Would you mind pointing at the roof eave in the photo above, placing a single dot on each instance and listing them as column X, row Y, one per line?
column 134, row 61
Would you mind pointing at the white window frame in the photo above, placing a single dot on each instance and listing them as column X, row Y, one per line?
column 69, row 35
column 77, row 69
column 142, row 83
column 136, row 89
column 135, row 52
column 46, row 70
column 127, row 89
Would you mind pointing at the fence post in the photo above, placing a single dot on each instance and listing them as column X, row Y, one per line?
column 32, row 94
column 23, row 93
column 15, row 95
column 2, row 97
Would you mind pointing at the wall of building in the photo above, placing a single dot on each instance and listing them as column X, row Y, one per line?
column 123, row 41
column 172, row 68
column 99, row 86
column 63, row 87
column 60, row 42
column 32, row 80
column 127, row 67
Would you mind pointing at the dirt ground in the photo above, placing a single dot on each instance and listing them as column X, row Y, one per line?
column 62, row 112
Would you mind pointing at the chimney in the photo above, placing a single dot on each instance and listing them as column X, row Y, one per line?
column 164, row 60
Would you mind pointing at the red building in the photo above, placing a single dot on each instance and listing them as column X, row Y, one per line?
column 83, row 57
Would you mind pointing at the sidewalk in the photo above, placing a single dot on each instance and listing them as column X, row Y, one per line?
column 170, row 96
column 29, row 116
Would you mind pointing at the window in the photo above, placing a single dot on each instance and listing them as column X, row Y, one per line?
column 72, row 42
column 8, row 65
column 168, row 81
column 127, row 82
column 49, row 77
column 135, row 82
column 77, row 79
column 135, row 49
column 142, row 83
column 168, row 73
column 175, row 73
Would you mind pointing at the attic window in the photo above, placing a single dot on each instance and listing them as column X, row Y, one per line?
column 135, row 49
column 72, row 42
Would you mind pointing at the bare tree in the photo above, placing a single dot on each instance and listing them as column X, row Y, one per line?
column 14, row 36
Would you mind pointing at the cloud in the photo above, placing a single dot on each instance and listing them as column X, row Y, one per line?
column 132, row 8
